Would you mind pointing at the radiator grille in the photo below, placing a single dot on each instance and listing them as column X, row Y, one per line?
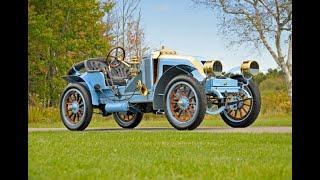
column 148, row 72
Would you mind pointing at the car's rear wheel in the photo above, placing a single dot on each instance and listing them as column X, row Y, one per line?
column 128, row 119
column 185, row 102
column 76, row 107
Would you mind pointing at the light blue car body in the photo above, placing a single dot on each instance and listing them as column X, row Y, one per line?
column 155, row 79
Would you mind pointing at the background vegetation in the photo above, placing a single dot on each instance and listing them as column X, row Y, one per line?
column 60, row 33
column 63, row 32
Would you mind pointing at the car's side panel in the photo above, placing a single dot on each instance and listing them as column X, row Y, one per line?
column 92, row 79
column 147, row 70
column 196, row 65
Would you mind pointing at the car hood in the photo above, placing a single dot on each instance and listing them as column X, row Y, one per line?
column 195, row 62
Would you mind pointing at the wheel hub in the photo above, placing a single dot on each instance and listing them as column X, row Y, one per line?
column 238, row 104
column 74, row 107
column 183, row 103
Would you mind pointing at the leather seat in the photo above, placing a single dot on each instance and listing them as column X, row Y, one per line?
column 118, row 74
column 95, row 64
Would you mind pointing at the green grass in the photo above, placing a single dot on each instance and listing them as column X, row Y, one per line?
column 158, row 155
column 151, row 120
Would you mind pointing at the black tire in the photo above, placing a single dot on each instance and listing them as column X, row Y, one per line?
column 196, row 108
column 254, row 109
column 129, row 123
column 82, row 99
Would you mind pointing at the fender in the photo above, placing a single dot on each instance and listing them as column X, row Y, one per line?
column 73, row 78
column 166, row 77
column 89, row 80
column 74, row 70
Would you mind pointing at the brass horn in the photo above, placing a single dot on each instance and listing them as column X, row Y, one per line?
column 142, row 88
column 250, row 67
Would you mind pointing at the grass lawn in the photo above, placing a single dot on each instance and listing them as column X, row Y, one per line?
column 151, row 120
column 160, row 155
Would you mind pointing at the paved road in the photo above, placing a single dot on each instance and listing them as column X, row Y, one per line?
column 200, row 129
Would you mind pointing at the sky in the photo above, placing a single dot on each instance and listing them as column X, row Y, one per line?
column 190, row 30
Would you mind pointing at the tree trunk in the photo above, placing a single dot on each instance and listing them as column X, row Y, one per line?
column 290, row 90
column 279, row 59
column 289, row 65
column 287, row 74
column 288, row 78
column 50, row 77
column 289, row 61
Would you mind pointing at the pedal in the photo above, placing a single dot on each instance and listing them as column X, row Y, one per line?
column 160, row 112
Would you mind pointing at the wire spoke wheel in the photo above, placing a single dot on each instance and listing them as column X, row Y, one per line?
column 126, row 116
column 243, row 107
column 128, row 119
column 240, row 110
column 75, row 107
column 183, row 102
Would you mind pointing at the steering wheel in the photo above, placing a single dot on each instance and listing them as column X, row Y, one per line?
column 115, row 57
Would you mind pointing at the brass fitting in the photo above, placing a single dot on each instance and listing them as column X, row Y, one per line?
column 250, row 67
column 212, row 68
column 142, row 88
column 134, row 66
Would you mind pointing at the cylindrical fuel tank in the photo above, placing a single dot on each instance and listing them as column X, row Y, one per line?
column 117, row 107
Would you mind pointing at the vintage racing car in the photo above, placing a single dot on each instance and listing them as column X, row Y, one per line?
column 181, row 87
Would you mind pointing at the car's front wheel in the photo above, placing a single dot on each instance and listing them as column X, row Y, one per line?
column 246, row 110
column 185, row 102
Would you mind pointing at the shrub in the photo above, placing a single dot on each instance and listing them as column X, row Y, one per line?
column 275, row 102
column 273, row 84
column 41, row 114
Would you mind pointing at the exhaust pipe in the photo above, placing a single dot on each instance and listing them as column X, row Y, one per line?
column 117, row 107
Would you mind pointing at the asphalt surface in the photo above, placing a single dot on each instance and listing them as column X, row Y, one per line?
column 200, row 129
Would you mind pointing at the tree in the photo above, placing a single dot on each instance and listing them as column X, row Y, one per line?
column 259, row 78
column 60, row 33
column 127, row 30
column 262, row 23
